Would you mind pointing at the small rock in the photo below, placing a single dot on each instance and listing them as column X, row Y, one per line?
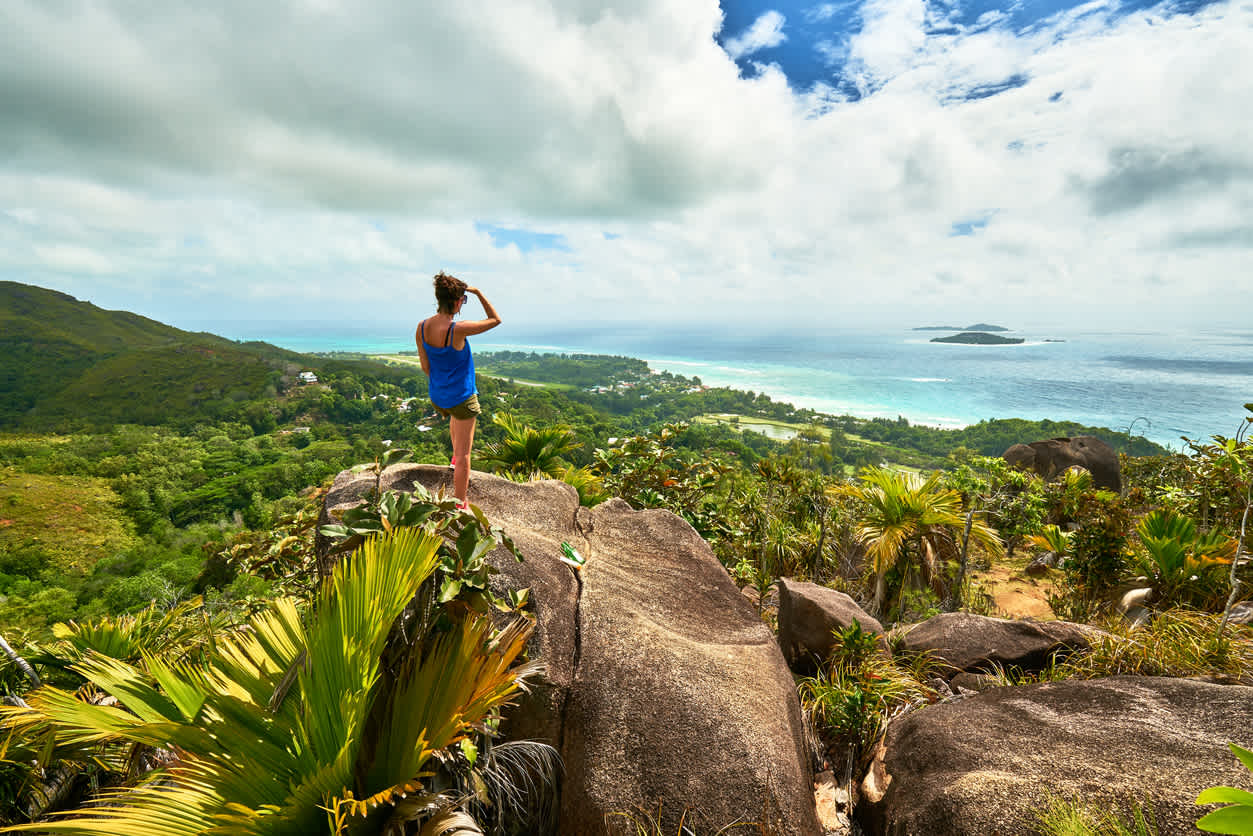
column 1242, row 614
column 1135, row 598
column 1040, row 567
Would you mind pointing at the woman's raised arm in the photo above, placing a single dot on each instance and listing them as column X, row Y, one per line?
column 478, row 326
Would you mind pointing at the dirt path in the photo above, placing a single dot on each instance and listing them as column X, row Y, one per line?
column 1014, row 594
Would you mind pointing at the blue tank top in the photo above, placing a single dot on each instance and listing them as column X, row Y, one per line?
column 452, row 371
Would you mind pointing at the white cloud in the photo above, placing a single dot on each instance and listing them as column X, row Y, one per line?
column 821, row 12
column 243, row 161
column 765, row 32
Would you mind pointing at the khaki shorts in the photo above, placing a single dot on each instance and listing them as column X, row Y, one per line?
column 465, row 410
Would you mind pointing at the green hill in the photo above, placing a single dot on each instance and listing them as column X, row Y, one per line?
column 69, row 364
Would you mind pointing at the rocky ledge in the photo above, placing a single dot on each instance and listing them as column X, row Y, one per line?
column 665, row 694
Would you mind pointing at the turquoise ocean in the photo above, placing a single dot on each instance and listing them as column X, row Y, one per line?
column 1158, row 384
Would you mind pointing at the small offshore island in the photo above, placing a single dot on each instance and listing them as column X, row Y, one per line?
column 978, row 338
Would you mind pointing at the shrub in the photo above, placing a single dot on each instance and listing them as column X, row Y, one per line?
column 1098, row 557
column 1184, row 566
column 852, row 696
column 1072, row 818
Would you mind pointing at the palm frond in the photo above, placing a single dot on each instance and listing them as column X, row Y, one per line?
column 527, row 450
column 463, row 676
column 519, row 787
column 1051, row 538
column 178, row 632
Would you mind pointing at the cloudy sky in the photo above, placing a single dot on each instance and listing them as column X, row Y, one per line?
column 816, row 164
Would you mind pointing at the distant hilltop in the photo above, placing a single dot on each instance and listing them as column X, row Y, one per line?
column 978, row 338
column 978, row 326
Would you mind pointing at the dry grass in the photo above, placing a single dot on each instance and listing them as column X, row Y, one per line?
column 1178, row 643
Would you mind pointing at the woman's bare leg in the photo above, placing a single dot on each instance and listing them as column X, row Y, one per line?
column 462, row 430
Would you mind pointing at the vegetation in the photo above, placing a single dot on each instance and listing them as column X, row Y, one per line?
column 1178, row 643
column 852, row 696
column 527, row 451
column 324, row 724
column 912, row 524
column 1237, row 817
column 580, row 370
column 978, row 338
column 1070, row 818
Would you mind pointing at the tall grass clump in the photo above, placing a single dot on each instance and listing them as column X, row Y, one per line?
column 1073, row 818
column 1176, row 643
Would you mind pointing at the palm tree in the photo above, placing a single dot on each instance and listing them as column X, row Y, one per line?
column 525, row 450
column 294, row 728
column 904, row 513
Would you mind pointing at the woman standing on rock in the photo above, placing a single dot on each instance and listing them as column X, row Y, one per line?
column 449, row 368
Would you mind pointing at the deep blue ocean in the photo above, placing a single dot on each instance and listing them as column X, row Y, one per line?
column 1161, row 385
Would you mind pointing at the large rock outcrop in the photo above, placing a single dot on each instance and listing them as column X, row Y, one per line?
column 988, row 764
column 809, row 617
column 1051, row 457
column 663, row 690
column 965, row 642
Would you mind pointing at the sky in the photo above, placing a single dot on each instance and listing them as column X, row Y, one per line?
column 743, row 165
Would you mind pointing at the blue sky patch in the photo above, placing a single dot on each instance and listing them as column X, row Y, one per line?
column 817, row 33
column 983, row 91
column 968, row 227
column 524, row 239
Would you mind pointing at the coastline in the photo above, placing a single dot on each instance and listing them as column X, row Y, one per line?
column 1164, row 385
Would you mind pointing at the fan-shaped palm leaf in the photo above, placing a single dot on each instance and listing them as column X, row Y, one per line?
column 173, row 633
column 257, row 758
column 526, row 450
column 1051, row 538
column 1184, row 566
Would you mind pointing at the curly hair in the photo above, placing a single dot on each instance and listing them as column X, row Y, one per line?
column 448, row 289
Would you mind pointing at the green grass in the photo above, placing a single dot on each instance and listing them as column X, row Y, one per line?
column 1072, row 818
column 751, row 423
column 74, row 520
column 520, row 381
column 1177, row 643
column 748, row 422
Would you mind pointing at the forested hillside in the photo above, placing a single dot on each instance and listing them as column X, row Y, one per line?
column 69, row 365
